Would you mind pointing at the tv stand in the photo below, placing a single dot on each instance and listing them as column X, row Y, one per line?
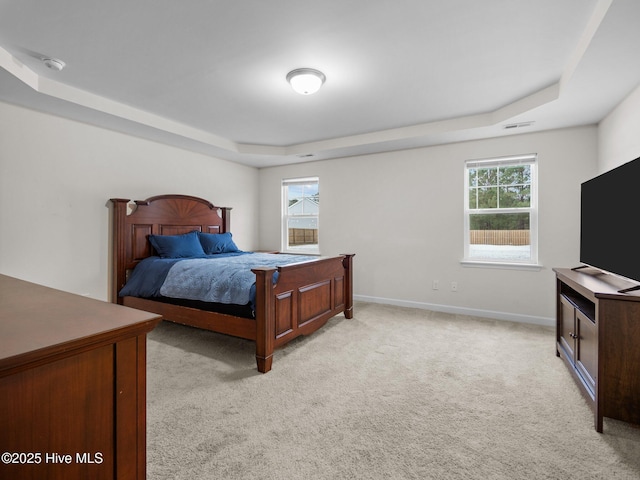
column 597, row 335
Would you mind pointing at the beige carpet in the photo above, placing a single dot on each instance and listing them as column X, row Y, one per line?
column 393, row 393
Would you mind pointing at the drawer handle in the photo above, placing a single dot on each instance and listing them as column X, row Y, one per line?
column 573, row 335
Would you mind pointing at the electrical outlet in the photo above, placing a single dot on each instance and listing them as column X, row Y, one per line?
column 454, row 286
column 435, row 285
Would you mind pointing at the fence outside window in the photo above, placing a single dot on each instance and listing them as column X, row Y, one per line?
column 499, row 237
column 303, row 236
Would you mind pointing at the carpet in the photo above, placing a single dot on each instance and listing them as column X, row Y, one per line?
column 394, row 393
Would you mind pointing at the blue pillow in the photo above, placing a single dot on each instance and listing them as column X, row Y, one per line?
column 217, row 243
column 177, row 246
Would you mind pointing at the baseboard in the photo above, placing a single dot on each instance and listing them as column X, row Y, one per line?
column 511, row 317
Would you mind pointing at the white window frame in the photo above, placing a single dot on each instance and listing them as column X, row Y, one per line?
column 532, row 262
column 310, row 249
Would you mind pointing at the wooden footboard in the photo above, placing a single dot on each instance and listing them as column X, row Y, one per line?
column 305, row 296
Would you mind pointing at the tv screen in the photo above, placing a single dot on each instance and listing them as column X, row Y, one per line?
column 609, row 226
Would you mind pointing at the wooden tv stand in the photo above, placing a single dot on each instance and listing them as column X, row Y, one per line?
column 72, row 385
column 598, row 336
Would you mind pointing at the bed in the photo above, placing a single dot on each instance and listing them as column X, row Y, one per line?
column 287, row 301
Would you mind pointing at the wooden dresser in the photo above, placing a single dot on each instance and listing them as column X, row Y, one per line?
column 72, row 385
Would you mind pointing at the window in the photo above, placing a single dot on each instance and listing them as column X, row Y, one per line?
column 500, row 213
column 300, row 215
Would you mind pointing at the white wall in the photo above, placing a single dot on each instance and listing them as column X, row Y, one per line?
column 57, row 175
column 402, row 214
column 619, row 134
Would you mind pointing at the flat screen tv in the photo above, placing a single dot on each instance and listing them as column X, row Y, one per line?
column 609, row 221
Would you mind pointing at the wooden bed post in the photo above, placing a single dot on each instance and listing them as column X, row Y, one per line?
column 347, row 263
column 265, row 318
column 226, row 218
column 118, row 235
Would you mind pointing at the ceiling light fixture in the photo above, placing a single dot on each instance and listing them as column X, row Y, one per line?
column 54, row 63
column 306, row 81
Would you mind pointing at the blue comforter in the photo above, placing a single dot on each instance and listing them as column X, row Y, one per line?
column 221, row 278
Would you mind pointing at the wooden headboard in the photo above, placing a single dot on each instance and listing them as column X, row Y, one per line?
column 159, row 215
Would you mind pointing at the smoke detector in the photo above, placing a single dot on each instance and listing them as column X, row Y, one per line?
column 54, row 63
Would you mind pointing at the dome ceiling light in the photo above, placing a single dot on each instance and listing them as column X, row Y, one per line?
column 306, row 81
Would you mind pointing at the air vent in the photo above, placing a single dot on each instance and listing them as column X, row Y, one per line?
column 511, row 126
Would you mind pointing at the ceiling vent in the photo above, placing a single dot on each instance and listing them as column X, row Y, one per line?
column 512, row 126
